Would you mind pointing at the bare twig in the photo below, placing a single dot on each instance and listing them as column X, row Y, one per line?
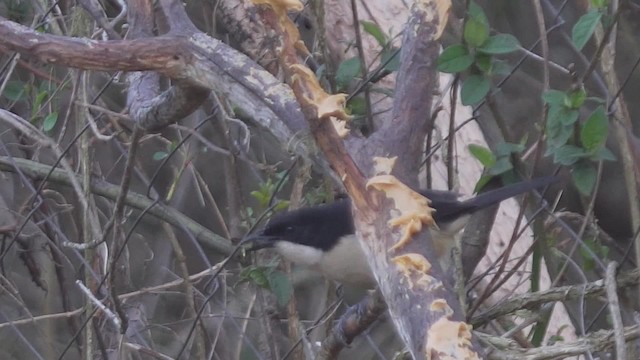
column 531, row 300
column 614, row 310
column 38, row 171
column 113, row 317
column 597, row 341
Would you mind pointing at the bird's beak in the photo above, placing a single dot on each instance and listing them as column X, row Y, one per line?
column 258, row 241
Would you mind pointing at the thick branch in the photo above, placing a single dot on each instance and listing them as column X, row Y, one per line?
column 196, row 60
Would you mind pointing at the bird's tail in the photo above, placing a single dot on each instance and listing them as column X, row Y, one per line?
column 492, row 197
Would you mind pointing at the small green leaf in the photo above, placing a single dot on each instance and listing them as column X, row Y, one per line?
column 584, row 177
column 475, row 32
column 357, row 105
column 500, row 44
column 15, row 90
column 393, row 54
column 603, row 154
column 454, row 59
column 607, row 20
column 159, row 155
column 482, row 154
column 40, row 99
column 576, row 98
column 563, row 115
column 501, row 166
column 280, row 287
column 554, row 97
column 50, row 121
column 262, row 197
column 484, row 179
column 584, row 28
column 249, row 273
column 507, row 148
column 476, row 12
column 347, row 70
column 374, row 30
column 558, row 137
column 282, row 204
column 483, row 62
column 258, row 276
column 587, row 251
column 500, row 67
column 599, row 4
column 595, row 130
column 474, row 89
column 568, row 155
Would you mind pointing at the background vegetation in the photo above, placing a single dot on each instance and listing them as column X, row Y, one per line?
column 144, row 221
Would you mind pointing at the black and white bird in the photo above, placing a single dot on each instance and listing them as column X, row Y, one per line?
column 323, row 237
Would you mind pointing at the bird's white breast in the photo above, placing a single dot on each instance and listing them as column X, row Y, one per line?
column 300, row 254
column 344, row 263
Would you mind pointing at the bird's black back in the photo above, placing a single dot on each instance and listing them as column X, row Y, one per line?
column 323, row 226
column 318, row 226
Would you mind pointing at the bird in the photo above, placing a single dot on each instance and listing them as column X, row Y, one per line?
column 323, row 237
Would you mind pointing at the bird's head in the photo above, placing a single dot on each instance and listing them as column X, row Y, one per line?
column 315, row 227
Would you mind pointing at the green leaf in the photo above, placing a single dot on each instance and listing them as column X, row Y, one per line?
column 603, row 154
column 599, row 4
column 563, row 115
column 159, row 155
column 280, row 287
column 474, row 89
column 454, row 59
column 507, row 148
column 50, row 121
column 347, row 70
column 500, row 44
column 576, row 98
column 15, row 90
column 568, row 155
column 262, row 197
column 484, row 179
column 607, row 20
column 483, row 62
column 595, row 130
column 258, row 276
column 40, row 99
column 373, row 30
column 584, row 177
column 561, row 135
column 282, row 205
column 357, row 105
column 482, row 154
column 394, row 63
column 476, row 12
column 584, row 28
column 500, row 67
column 554, row 97
column 475, row 32
column 502, row 165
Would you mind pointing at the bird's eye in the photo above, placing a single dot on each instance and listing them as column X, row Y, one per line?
column 288, row 229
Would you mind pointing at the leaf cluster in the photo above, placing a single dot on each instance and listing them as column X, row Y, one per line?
column 477, row 56
column 576, row 144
